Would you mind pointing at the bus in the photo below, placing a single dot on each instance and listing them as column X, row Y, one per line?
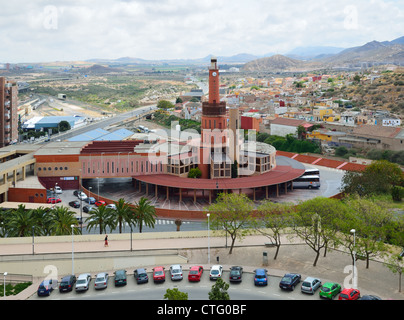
column 310, row 182
column 311, row 172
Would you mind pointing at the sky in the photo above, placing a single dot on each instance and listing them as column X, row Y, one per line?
column 72, row 30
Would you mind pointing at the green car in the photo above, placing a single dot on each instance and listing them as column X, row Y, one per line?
column 120, row 278
column 329, row 290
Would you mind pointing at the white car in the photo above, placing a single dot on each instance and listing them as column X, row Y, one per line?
column 83, row 282
column 58, row 190
column 101, row 281
column 215, row 272
column 176, row 272
column 111, row 206
column 82, row 196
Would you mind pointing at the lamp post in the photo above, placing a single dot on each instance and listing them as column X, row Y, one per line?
column 354, row 259
column 72, row 226
column 5, row 274
column 208, row 238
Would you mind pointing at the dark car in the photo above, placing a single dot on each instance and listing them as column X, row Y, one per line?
column 87, row 208
column 120, row 278
column 141, row 275
column 236, row 273
column 67, row 283
column 46, row 287
column 74, row 204
column 289, row 281
column 76, row 193
column 369, row 297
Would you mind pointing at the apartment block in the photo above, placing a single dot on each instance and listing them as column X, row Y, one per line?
column 8, row 112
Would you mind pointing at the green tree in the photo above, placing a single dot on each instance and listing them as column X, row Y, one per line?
column 64, row 126
column 272, row 220
column 164, row 104
column 62, row 219
column 145, row 213
column 123, row 213
column 219, row 290
column 102, row 217
column 195, row 173
column 232, row 213
column 175, row 294
column 20, row 223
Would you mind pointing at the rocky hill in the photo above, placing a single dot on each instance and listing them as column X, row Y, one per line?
column 273, row 64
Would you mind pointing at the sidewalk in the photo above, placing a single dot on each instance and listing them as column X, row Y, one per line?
column 249, row 253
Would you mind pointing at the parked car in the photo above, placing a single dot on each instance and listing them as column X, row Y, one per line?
column 46, row 287
column 236, row 274
column 90, row 200
column 176, row 272
column 329, row 290
column 141, row 275
column 76, row 193
column 58, row 190
column 349, row 294
column 100, row 203
column 88, row 208
column 310, row 285
column 83, row 282
column 111, row 206
column 289, row 281
column 67, row 283
column 101, row 281
column 260, row 277
column 195, row 273
column 53, row 200
column 120, row 278
column 74, row 204
column 215, row 272
column 159, row 274
column 81, row 195
column 370, row 297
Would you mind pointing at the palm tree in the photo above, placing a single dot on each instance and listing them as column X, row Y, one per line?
column 101, row 217
column 43, row 220
column 122, row 213
column 62, row 219
column 21, row 222
column 144, row 212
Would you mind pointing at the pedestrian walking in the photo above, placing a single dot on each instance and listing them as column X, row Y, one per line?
column 106, row 241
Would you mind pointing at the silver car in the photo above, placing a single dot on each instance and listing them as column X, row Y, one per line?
column 176, row 272
column 83, row 282
column 310, row 285
column 101, row 280
column 215, row 272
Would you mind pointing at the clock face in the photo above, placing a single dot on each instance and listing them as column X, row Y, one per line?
column 214, row 74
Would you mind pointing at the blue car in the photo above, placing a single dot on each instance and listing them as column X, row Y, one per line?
column 90, row 200
column 260, row 277
column 46, row 287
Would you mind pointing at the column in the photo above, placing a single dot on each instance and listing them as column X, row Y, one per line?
column 180, row 194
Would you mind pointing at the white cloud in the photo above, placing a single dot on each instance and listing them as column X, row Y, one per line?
column 169, row 29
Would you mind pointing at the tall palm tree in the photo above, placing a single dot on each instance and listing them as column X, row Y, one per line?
column 122, row 213
column 145, row 213
column 20, row 223
column 101, row 217
column 43, row 221
column 62, row 219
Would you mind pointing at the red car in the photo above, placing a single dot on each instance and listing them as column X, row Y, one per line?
column 53, row 200
column 349, row 294
column 100, row 203
column 195, row 273
column 159, row 274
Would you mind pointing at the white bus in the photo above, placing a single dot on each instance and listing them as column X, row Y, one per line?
column 311, row 172
column 307, row 182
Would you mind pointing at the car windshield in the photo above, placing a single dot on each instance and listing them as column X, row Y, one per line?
column 343, row 295
column 64, row 283
column 81, row 281
column 214, row 272
column 176, row 271
column 287, row 279
column 260, row 276
column 235, row 272
column 159, row 273
column 42, row 286
column 306, row 284
column 325, row 289
column 193, row 272
column 100, row 279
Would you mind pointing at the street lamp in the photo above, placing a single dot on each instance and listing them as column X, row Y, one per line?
column 354, row 260
column 72, row 226
column 208, row 239
column 5, row 274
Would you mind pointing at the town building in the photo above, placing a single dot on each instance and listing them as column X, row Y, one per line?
column 8, row 112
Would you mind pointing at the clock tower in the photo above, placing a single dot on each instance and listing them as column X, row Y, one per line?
column 214, row 97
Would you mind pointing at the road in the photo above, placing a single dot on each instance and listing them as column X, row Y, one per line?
column 196, row 290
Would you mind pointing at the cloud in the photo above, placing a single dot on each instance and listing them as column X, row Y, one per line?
column 166, row 29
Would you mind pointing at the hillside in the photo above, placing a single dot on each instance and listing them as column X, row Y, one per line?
column 273, row 64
